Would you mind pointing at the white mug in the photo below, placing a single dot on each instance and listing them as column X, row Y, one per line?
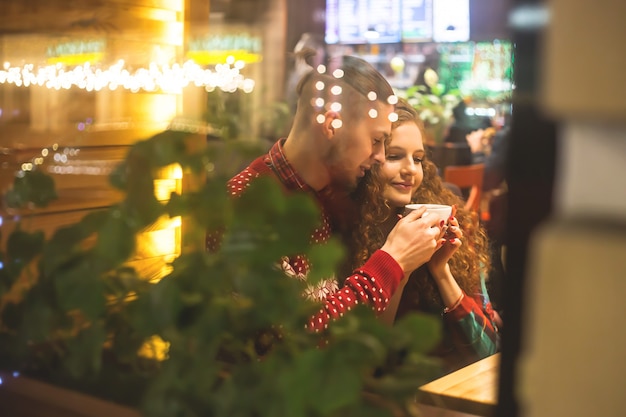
column 442, row 212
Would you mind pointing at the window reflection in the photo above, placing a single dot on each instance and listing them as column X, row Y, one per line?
column 82, row 80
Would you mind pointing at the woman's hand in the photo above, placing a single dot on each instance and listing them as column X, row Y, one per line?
column 448, row 244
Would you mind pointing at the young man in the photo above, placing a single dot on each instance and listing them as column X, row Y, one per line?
column 343, row 117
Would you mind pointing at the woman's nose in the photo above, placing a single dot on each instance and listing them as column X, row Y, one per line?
column 410, row 168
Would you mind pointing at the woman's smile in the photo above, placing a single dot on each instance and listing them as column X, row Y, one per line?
column 406, row 187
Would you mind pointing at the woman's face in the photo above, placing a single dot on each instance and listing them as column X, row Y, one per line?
column 402, row 171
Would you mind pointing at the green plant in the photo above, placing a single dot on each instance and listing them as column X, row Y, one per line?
column 232, row 323
column 276, row 120
column 224, row 113
column 434, row 105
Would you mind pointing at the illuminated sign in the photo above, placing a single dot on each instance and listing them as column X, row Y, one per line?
column 216, row 49
column 76, row 53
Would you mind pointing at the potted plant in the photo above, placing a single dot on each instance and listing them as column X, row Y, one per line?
column 222, row 334
column 434, row 104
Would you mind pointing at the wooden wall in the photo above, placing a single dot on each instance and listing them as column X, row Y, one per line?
column 79, row 136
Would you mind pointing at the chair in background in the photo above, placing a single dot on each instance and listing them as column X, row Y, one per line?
column 449, row 153
column 469, row 178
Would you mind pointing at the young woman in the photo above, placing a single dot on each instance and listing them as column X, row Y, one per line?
column 450, row 284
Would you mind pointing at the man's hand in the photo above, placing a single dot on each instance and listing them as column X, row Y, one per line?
column 413, row 240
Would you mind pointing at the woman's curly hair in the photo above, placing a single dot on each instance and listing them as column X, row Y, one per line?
column 374, row 221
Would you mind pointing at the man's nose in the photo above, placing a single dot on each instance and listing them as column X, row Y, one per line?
column 379, row 155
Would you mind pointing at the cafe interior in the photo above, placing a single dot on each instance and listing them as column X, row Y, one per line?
column 82, row 81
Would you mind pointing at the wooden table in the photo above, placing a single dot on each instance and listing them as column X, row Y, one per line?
column 473, row 389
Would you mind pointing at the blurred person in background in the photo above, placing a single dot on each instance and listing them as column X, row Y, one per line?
column 304, row 60
column 492, row 150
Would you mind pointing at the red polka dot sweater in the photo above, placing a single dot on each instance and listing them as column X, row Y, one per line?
column 372, row 284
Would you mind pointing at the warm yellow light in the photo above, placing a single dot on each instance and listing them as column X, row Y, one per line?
column 163, row 242
column 163, row 188
column 165, row 78
column 175, row 222
column 77, row 59
column 169, row 180
column 216, row 57
column 177, row 172
column 155, row 348
column 164, row 238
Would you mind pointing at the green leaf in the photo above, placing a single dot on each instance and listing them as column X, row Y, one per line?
column 157, row 309
column 168, row 147
column 326, row 258
column 140, row 208
column 31, row 187
column 79, row 287
column 85, row 351
column 116, row 239
column 118, row 177
column 65, row 243
column 22, row 246
column 438, row 89
column 267, row 224
column 422, row 332
column 34, row 317
column 339, row 386
column 210, row 207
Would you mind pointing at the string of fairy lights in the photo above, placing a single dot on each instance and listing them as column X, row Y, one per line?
column 225, row 76
column 92, row 78
column 164, row 78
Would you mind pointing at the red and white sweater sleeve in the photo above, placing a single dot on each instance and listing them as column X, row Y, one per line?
column 372, row 284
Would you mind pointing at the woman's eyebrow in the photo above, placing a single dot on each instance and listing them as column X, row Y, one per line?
column 395, row 148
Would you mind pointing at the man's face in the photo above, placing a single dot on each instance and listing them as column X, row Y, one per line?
column 357, row 145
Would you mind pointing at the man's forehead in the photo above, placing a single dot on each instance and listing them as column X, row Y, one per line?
column 385, row 109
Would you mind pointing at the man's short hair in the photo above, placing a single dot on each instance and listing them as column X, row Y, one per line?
column 358, row 81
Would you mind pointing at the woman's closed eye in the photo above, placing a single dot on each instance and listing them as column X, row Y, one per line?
column 394, row 156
